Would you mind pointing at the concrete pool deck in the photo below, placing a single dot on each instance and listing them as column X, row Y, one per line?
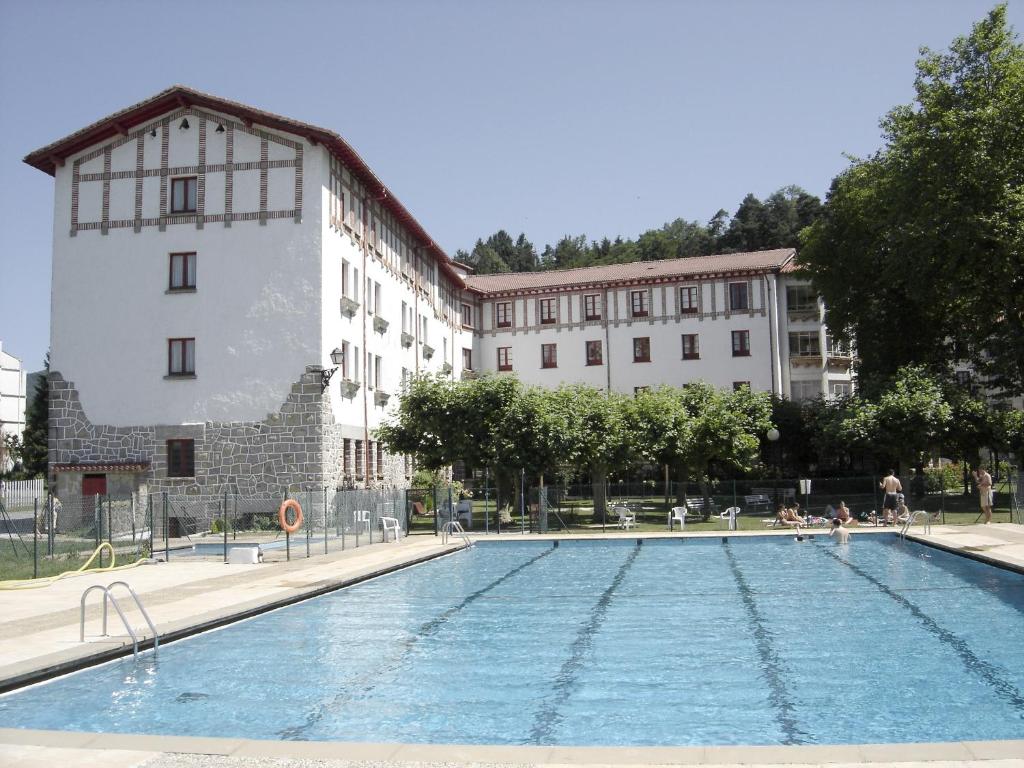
column 39, row 636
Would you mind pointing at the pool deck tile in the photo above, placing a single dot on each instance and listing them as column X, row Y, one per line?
column 316, row 750
column 996, row 750
column 883, row 753
column 31, row 756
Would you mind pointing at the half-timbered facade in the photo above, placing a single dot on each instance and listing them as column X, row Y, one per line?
column 208, row 259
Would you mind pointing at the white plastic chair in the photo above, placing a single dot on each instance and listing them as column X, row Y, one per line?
column 390, row 524
column 626, row 518
column 361, row 518
column 730, row 515
column 677, row 515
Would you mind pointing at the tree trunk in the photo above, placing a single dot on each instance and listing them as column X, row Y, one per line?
column 681, row 486
column 668, row 488
column 706, row 493
column 542, row 507
column 599, row 480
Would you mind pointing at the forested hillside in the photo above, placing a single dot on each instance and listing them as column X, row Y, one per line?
column 772, row 223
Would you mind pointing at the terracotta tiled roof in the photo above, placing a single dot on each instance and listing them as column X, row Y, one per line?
column 103, row 466
column 49, row 157
column 636, row 271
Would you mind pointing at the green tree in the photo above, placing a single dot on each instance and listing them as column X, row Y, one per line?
column 927, row 235
column 35, row 447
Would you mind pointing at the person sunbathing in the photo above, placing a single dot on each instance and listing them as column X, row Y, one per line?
column 843, row 515
column 788, row 517
column 794, row 513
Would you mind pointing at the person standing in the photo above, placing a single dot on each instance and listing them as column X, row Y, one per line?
column 983, row 480
column 839, row 533
column 891, row 486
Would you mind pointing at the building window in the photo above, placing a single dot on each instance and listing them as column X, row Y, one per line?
column 548, row 311
column 963, row 378
column 740, row 343
column 592, row 306
column 181, row 357
column 594, row 355
column 183, row 194
column 738, row 299
column 181, row 458
column 738, row 385
column 642, row 349
column 467, row 359
column 548, row 355
column 380, row 460
column 801, row 391
column 503, row 314
column 467, row 316
column 638, row 390
column 691, row 347
column 801, row 299
column 347, row 457
column 183, row 272
column 504, row 358
column 839, row 389
column 688, row 300
column 639, row 303
column 360, row 466
column 804, row 344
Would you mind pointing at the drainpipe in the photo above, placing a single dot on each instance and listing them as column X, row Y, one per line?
column 606, row 314
column 773, row 331
column 366, row 355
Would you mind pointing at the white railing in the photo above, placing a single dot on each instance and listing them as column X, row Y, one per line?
column 21, row 493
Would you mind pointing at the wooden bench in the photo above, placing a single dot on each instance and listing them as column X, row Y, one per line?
column 757, row 503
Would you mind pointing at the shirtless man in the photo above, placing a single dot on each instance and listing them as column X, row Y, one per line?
column 840, row 534
column 983, row 480
column 891, row 485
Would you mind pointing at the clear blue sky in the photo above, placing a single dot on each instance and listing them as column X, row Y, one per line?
column 549, row 118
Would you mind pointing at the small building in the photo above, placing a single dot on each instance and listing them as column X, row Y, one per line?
column 13, row 394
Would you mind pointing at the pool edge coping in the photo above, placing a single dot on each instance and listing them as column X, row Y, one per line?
column 542, row 755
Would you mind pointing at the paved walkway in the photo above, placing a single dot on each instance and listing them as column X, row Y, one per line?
column 40, row 633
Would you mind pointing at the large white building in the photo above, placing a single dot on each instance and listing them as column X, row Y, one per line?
column 13, row 399
column 210, row 260
column 731, row 320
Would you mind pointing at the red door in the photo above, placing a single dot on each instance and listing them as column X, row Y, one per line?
column 93, row 484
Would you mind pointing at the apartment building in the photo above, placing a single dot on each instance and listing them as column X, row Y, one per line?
column 741, row 319
column 238, row 299
column 13, row 400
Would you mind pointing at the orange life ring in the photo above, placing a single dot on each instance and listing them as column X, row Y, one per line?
column 282, row 515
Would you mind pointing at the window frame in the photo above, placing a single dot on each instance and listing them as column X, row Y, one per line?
column 548, row 311
column 641, row 349
column 694, row 353
column 808, row 344
column 183, row 343
column 645, row 303
column 503, row 308
column 181, row 457
column 467, row 357
column 591, row 308
column 186, row 286
column 692, row 304
column 594, row 359
column 743, row 350
column 549, row 355
column 733, row 305
column 190, row 183
column 504, row 358
column 466, row 314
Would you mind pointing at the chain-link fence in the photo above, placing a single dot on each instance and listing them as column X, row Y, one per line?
column 48, row 535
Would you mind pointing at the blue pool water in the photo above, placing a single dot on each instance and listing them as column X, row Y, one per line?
column 676, row 642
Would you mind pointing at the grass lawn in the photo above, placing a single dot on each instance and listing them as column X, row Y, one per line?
column 69, row 556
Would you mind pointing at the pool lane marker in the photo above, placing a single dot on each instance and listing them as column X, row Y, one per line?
column 771, row 662
column 974, row 664
column 427, row 629
column 547, row 718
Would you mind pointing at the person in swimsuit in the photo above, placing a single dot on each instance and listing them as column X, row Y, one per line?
column 891, row 486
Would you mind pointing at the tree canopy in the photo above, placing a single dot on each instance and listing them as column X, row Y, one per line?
column 927, row 235
column 774, row 223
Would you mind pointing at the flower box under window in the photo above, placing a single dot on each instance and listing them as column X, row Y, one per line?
column 407, row 339
column 380, row 325
column 349, row 388
column 349, row 306
column 428, row 351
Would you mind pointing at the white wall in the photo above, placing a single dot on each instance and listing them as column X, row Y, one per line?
column 664, row 327
column 12, row 393
column 255, row 314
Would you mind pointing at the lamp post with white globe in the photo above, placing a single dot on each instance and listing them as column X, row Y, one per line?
column 773, row 436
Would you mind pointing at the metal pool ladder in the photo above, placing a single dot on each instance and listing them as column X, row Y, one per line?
column 109, row 597
column 912, row 518
column 454, row 528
